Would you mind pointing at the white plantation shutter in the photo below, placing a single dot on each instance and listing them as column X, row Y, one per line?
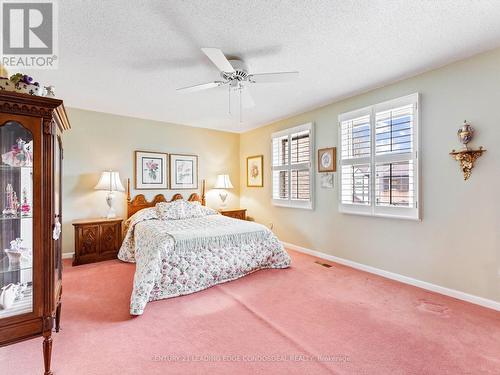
column 379, row 159
column 394, row 184
column 394, row 130
column 355, row 136
column 280, row 185
column 355, row 156
column 356, row 184
column 292, row 153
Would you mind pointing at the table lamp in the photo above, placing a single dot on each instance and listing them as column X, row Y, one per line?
column 110, row 181
column 223, row 182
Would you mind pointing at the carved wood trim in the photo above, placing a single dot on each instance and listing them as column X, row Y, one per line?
column 38, row 106
column 47, row 323
column 49, row 126
column 140, row 202
column 24, row 109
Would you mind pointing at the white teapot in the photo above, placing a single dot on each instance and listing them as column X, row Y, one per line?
column 8, row 295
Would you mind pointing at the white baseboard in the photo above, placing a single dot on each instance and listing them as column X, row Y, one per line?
column 67, row 255
column 404, row 279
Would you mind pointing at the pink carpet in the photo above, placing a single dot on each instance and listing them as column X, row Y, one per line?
column 305, row 320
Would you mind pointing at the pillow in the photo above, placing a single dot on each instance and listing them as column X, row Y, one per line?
column 181, row 209
column 207, row 210
column 141, row 215
column 170, row 210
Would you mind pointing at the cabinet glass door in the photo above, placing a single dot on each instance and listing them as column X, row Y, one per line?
column 16, row 220
column 58, row 217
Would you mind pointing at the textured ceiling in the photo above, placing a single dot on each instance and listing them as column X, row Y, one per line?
column 128, row 57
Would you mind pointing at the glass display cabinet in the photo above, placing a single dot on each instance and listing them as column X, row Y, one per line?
column 31, row 130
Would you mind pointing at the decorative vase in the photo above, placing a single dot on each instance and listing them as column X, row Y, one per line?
column 21, row 87
column 465, row 134
column 25, row 207
column 14, row 259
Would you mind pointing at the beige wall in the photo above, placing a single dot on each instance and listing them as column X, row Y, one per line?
column 457, row 243
column 99, row 141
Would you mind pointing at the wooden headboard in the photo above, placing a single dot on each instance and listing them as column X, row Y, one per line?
column 139, row 202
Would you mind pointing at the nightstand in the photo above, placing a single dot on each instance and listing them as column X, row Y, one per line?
column 238, row 213
column 97, row 240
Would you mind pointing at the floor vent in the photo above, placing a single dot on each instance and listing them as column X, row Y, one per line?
column 323, row 264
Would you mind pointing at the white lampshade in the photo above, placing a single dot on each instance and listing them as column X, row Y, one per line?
column 110, row 181
column 223, row 182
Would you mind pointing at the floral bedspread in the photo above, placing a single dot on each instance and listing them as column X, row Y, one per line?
column 180, row 256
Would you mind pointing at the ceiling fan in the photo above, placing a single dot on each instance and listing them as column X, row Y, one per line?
column 235, row 76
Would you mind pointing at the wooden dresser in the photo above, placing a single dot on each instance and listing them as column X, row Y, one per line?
column 97, row 239
column 238, row 213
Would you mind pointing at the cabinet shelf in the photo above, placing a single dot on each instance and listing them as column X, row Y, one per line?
column 21, row 306
column 6, row 268
column 5, row 167
column 17, row 217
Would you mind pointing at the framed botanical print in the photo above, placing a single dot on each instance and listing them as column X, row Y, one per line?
column 151, row 170
column 327, row 159
column 183, row 171
column 255, row 169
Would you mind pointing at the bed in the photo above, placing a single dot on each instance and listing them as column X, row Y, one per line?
column 181, row 247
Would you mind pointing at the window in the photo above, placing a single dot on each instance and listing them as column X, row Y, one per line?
column 379, row 159
column 292, row 153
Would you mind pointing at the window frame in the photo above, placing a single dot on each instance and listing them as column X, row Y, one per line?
column 289, row 167
column 372, row 209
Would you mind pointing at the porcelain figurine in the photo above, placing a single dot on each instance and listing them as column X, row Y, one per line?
column 9, row 209
column 50, row 91
column 21, row 289
column 27, row 150
column 15, row 202
column 16, row 244
column 465, row 134
column 20, row 154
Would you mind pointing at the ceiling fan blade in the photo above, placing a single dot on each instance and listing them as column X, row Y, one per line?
column 273, row 77
column 246, row 98
column 202, row 86
column 218, row 58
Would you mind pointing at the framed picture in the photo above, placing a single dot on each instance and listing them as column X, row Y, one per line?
column 183, row 171
column 326, row 180
column 151, row 170
column 255, row 168
column 327, row 159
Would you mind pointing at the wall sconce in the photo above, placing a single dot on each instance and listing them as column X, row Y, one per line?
column 467, row 156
